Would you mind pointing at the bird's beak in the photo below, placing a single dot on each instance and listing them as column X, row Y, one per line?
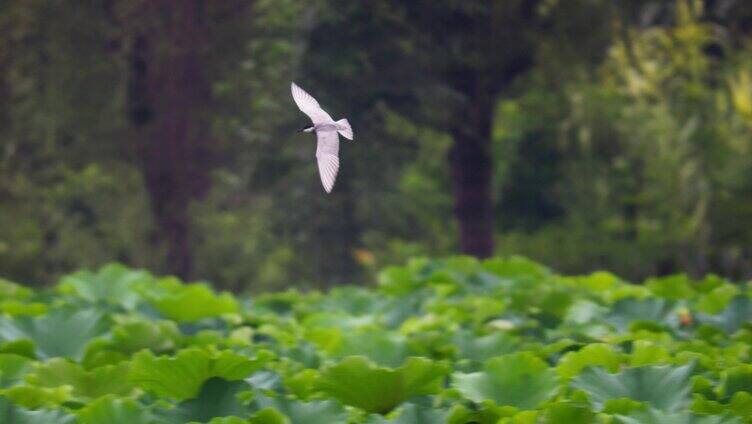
column 302, row 129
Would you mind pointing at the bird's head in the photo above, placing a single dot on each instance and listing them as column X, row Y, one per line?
column 307, row 128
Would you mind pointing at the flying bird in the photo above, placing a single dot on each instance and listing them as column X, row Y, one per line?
column 327, row 130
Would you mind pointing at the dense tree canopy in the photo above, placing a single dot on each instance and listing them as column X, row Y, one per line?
column 586, row 134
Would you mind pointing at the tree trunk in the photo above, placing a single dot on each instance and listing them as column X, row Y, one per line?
column 471, row 172
column 169, row 95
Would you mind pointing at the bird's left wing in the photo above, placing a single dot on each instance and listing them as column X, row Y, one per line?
column 308, row 105
column 327, row 156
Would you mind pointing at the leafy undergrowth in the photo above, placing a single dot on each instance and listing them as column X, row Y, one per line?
column 454, row 340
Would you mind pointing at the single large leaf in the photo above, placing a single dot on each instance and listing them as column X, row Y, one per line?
column 132, row 336
column 352, row 300
column 356, row 381
column 34, row 397
column 653, row 416
column 411, row 413
column 188, row 302
column 516, row 267
column 567, row 413
column 297, row 412
column 735, row 316
column 626, row 311
column 181, row 377
column 397, row 280
column 736, row 379
column 113, row 283
column 13, row 368
column 717, row 299
column 673, row 287
column 520, row 379
column 596, row 354
column 485, row 347
column 216, row 398
column 111, row 410
column 664, row 387
column 383, row 347
column 63, row 332
column 109, row 379
column 13, row 414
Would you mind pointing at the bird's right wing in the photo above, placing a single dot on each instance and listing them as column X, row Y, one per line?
column 308, row 105
column 327, row 156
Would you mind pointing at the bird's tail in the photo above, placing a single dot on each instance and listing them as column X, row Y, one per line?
column 344, row 128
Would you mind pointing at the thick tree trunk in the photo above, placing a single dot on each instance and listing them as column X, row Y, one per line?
column 169, row 95
column 471, row 171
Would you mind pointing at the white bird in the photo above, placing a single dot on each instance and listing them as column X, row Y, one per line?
column 327, row 148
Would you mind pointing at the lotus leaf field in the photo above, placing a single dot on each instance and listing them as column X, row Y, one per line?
column 454, row 340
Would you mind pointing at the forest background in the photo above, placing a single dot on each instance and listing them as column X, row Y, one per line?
column 585, row 134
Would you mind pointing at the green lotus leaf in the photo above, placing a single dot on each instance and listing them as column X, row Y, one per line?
column 622, row 406
column 21, row 347
column 383, row 347
column 703, row 406
column 303, row 383
column 12, row 414
column 337, row 320
column 109, row 379
column 12, row 291
column 356, row 381
column 584, row 311
column 516, row 267
column 113, row 283
column 38, row 397
column 188, row 302
column 645, row 352
column 266, row 381
column 597, row 354
column 216, row 397
column 411, row 413
column 352, row 300
column 487, row 414
column 12, row 368
column 98, row 354
column 734, row 317
column 62, row 332
column 397, row 280
column 664, row 387
column 267, row 416
column 485, row 347
column 297, row 412
column 131, row 337
column 741, row 404
column 17, row 308
column 736, row 379
column 653, row 416
column 598, row 281
column 673, row 287
column 717, row 300
column 566, row 413
column 236, row 420
column 628, row 310
column 180, row 377
column 521, row 380
column 112, row 410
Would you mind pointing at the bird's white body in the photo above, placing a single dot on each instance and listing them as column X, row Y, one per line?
column 327, row 134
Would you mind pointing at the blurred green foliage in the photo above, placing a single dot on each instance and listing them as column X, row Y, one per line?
column 624, row 146
column 455, row 340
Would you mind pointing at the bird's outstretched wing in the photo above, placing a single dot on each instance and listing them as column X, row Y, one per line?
column 327, row 156
column 308, row 105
